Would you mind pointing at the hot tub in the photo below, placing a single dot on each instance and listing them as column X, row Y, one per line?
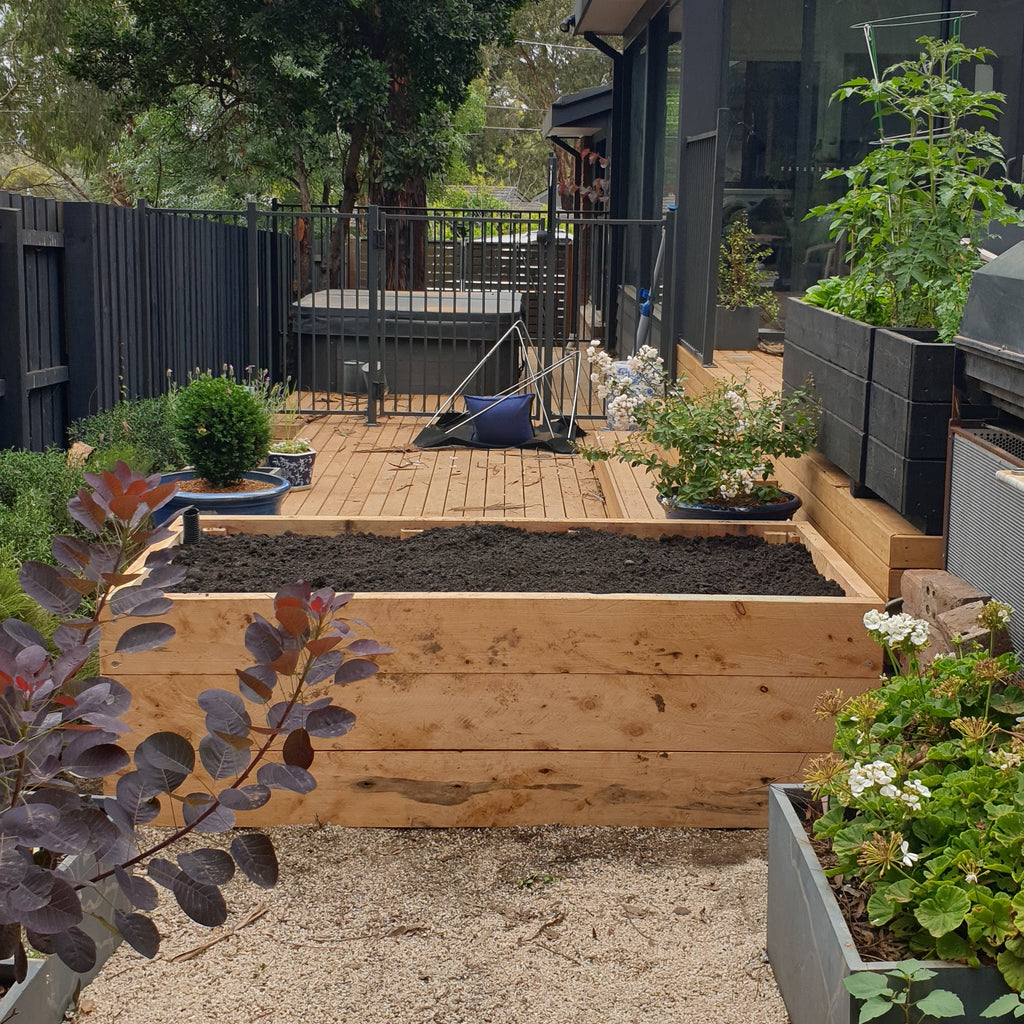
column 430, row 341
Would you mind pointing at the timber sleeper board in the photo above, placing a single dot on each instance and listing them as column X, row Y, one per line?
column 481, row 711
column 484, row 789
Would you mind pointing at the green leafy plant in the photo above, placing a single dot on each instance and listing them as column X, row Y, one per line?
column 35, row 488
column 925, row 796
column 717, row 448
column 140, row 426
column 918, row 204
column 291, row 446
column 741, row 270
column 879, row 995
column 59, row 722
column 222, row 428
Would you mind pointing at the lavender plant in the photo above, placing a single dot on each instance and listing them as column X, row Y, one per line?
column 60, row 724
column 925, row 796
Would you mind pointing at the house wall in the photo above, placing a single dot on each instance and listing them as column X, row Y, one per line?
column 779, row 131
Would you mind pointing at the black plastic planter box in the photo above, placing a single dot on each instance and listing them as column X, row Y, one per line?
column 810, row 946
column 911, row 402
column 834, row 354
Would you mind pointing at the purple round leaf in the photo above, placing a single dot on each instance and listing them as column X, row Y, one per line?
column 139, row 932
column 203, row 903
column 254, row 854
column 214, row 867
column 245, row 798
column 330, row 722
column 147, row 636
column 286, row 776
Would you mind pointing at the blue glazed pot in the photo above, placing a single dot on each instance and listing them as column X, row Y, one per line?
column 774, row 512
column 227, row 503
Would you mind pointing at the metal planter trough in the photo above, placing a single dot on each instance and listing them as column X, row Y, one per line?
column 51, row 986
column 809, row 943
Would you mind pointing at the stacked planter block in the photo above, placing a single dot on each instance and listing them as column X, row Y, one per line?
column 886, row 399
column 832, row 354
column 910, row 405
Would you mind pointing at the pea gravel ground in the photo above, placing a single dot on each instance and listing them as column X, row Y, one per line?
column 550, row 925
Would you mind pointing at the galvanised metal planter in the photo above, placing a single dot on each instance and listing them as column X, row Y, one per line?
column 51, row 986
column 809, row 943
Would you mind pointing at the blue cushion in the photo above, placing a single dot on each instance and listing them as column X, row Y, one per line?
column 503, row 421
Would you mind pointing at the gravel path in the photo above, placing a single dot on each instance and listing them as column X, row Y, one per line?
column 550, row 925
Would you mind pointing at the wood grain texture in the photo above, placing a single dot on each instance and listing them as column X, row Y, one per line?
column 480, row 789
column 474, row 711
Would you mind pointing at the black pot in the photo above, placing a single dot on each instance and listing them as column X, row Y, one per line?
column 773, row 511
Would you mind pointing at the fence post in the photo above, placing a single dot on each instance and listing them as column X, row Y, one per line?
column 547, row 296
column 375, row 261
column 667, row 343
column 253, row 282
column 14, row 419
column 80, row 290
column 154, row 380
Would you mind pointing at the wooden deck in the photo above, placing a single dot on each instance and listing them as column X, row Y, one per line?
column 878, row 542
column 376, row 471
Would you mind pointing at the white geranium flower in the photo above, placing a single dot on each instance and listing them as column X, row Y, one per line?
column 908, row 857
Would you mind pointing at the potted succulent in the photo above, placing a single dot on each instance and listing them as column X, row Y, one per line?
column 910, row 222
column 223, row 431
column 742, row 292
column 293, row 457
column 921, row 807
column 712, row 455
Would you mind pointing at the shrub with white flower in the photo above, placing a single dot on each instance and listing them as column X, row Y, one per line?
column 924, row 800
column 625, row 384
column 716, row 448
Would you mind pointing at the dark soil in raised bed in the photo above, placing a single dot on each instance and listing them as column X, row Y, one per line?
column 500, row 558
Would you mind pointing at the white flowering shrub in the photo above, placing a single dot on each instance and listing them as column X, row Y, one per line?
column 716, row 448
column 625, row 384
column 925, row 796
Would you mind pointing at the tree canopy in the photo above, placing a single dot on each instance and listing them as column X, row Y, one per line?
column 359, row 97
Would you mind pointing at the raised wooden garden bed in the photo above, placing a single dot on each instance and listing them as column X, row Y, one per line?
column 513, row 709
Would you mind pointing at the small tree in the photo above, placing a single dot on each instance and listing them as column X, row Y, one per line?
column 741, row 270
column 59, row 721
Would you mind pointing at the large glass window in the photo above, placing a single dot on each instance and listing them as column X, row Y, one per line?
column 786, row 58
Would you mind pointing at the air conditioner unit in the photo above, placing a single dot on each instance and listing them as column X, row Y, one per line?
column 985, row 532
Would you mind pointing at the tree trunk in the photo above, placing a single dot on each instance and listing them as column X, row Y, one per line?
column 406, row 237
column 340, row 228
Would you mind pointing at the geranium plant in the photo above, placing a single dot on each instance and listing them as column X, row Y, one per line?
column 920, row 201
column 60, row 722
column 924, row 796
column 717, row 448
column 625, row 384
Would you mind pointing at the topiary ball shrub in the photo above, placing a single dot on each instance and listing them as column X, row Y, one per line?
column 221, row 429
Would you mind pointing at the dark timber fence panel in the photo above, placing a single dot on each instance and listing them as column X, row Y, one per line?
column 33, row 364
column 98, row 302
